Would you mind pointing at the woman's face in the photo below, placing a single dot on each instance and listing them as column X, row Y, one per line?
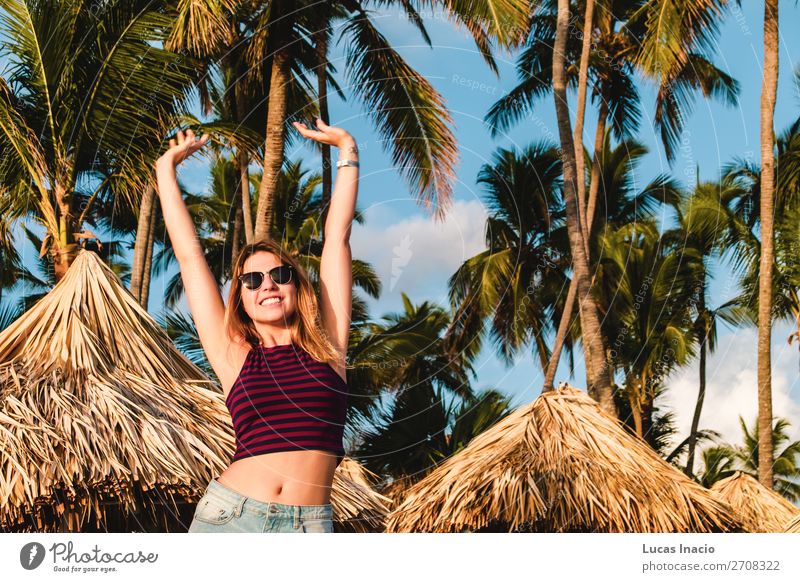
column 255, row 300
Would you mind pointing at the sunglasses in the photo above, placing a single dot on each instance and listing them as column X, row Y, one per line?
column 281, row 275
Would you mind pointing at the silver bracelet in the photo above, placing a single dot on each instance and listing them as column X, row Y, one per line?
column 342, row 163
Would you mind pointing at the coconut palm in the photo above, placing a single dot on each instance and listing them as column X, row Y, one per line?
column 518, row 280
column 745, row 458
column 432, row 411
column 646, row 290
column 409, row 112
column 611, row 67
column 83, row 95
column 780, row 242
column 708, row 227
column 769, row 89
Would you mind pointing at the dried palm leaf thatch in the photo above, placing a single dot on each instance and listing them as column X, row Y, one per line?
column 99, row 411
column 758, row 508
column 794, row 525
column 559, row 464
column 357, row 506
column 103, row 420
column 398, row 489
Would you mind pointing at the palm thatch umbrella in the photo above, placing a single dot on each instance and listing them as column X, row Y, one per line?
column 104, row 424
column 794, row 525
column 559, row 464
column 758, row 508
column 357, row 506
column 103, row 420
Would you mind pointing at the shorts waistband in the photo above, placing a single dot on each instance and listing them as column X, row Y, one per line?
column 269, row 507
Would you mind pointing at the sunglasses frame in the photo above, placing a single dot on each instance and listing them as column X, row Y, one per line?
column 262, row 273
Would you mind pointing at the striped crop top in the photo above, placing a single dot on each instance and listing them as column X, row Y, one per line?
column 285, row 400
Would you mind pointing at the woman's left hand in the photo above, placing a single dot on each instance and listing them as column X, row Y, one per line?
column 326, row 134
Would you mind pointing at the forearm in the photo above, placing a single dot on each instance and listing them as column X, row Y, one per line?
column 343, row 198
column 180, row 227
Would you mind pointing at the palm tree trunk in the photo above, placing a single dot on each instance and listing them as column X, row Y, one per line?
column 561, row 335
column 769, row 89
column 569, row 305
column 247, row 213
column 321, row 37
column 594, row 352
column 701, row 394
column 580, row 114
column 594, row 180
column 148, row 261
column 238, row 223
column 274, row 145
column 242, row 161
column 140, row 247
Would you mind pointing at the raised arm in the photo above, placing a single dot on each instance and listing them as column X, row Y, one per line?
column 336, row 268
column 202, row 293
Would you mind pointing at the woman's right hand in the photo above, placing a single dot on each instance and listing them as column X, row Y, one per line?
column 186, row 145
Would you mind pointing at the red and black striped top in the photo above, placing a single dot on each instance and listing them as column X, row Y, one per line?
column 284, row 400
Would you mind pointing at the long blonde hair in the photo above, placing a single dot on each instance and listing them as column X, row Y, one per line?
column 306, row 322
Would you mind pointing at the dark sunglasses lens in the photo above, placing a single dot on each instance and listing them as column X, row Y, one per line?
column 252, row 280
column 281, row 275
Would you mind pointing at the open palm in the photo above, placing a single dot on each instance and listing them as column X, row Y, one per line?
column 183, row 146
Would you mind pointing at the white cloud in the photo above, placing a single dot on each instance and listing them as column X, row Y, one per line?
column 732, row 387
column 418, row 255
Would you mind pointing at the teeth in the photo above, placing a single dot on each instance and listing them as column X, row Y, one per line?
column 271, row 300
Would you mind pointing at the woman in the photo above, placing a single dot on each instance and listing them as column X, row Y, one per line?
column 280, row 358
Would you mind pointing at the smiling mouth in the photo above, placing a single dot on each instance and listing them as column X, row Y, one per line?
column 271, row 301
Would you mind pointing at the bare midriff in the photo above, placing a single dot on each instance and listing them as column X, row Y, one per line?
column 290, row 477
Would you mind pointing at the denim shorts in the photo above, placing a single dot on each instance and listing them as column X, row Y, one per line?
column 221, row 509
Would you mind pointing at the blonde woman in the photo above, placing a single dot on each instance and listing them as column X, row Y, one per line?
column 279, row 352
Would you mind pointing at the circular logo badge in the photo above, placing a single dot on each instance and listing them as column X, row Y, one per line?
column 31, row 555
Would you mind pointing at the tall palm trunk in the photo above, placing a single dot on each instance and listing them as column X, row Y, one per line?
column 600, row 385
column 321, row 40
column 276, row 131
column 594, row 184
column 769, row 89
column 247, row 213
column 569, row 305
column 580, row 114
column 140, row 247
column 701, row 394
column 242, row 162
column 148, row 260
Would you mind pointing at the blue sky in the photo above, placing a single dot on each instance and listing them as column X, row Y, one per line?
column 415, row 255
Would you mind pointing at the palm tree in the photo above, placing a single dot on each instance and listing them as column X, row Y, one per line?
column 431, row 411
column 409, row 112
column 82, row 103
column 611, row 67
column 708, row 227
column 646, row 288
column 745, row 458
column 599, row 379
column 769, row 89
column 519, row 279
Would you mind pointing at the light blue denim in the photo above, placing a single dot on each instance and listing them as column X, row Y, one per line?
column 221, row 509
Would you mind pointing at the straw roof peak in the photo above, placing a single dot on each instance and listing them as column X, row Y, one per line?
column 759, row 508
column 559, row 464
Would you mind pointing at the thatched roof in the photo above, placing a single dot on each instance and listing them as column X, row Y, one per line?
column 100, row 413
column 357, row 506
column 559, row 464
column 794, row 525
column 758, row 508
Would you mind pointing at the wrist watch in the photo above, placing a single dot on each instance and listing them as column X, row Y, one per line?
column 342, row 163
